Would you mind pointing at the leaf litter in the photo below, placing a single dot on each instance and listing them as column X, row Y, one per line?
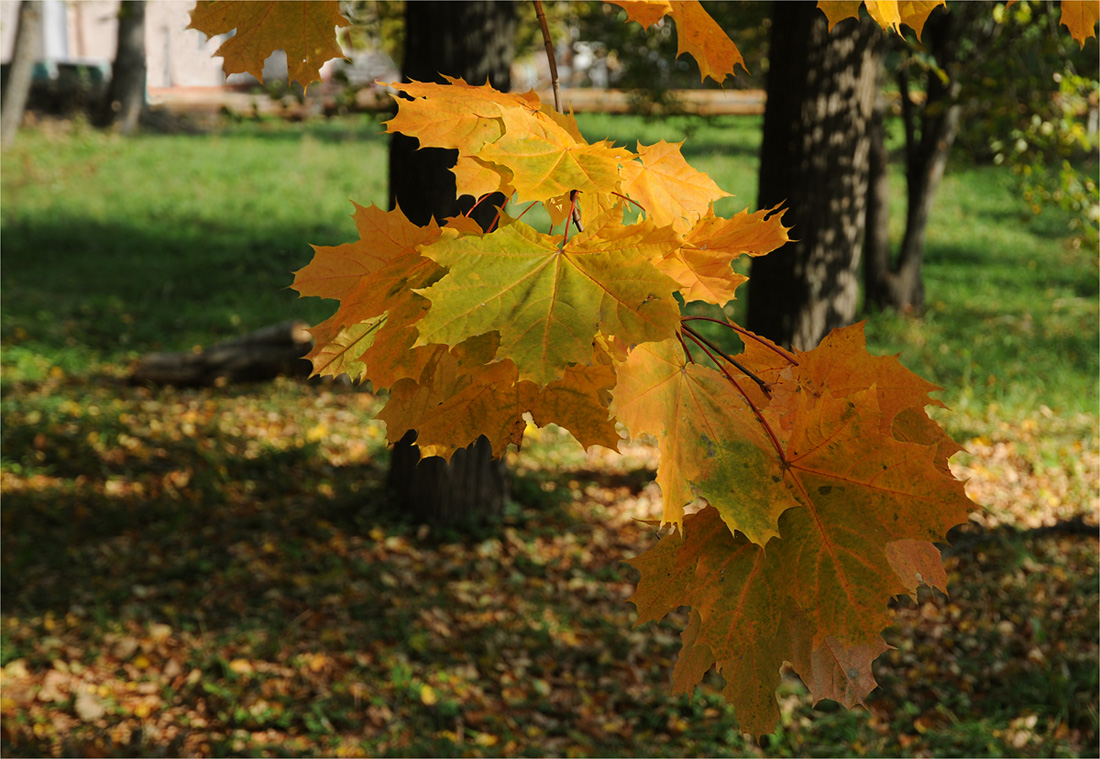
column 206, row 572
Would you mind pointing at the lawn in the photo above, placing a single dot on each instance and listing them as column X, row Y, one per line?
column 220, row 571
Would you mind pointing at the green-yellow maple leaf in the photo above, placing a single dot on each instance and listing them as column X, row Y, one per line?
column 549, row 298
column 712, row 445
column 305, row 30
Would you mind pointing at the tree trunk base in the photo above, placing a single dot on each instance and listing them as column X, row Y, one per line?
column 468, row 491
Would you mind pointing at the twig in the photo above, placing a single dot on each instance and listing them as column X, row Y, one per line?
column 684, row 345
column 740, row 367
column 574, row 212
column 746, row 333
column 737, row 386
column 549, row 54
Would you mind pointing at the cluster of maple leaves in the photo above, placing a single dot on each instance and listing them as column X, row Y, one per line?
column 824, row 481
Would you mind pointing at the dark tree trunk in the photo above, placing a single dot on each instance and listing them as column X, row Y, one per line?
column 17, row 85
column 897, row 283
column 125, row 100
column 814, row 158
column 475, row 41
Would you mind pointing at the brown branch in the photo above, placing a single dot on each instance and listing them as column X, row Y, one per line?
column 549, row 54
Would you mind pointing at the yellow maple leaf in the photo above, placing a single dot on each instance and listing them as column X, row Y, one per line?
column 305, row 30
column 667, row 187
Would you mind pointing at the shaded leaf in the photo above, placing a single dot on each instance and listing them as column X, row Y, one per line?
column 305, row 30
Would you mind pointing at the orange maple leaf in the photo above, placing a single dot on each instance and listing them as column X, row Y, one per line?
column 702, row 264
column 1080, row 17
column 889, row 14
column 459, row 396
column 696, row 34
column 305, row 30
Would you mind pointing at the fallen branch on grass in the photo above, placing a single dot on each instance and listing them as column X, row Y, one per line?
column 261, row 355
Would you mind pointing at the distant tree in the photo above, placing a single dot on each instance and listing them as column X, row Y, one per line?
column 931, row 123
column 17, row 85
column 814, row 158
column 125, row 99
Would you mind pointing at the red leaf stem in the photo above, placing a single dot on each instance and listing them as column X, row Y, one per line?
column 746, row 333
column 737, row 386
column 741, row 368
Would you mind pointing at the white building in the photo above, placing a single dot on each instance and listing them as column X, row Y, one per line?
column 87, row 31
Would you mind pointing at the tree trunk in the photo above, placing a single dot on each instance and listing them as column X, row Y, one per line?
column 125, row 100
column 898, row 284
column 814, row 157
column 473, row 40
column 17, row 86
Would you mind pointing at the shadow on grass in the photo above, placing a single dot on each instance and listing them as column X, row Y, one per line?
column 149, row 283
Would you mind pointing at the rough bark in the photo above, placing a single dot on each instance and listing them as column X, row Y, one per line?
column 125, row 99
column 475, row 41
column 814, row 158
column 930, row 129
column 17, row 85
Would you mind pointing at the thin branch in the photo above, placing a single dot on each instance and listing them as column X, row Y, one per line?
column 629, row 200
column 684, row 345
column 477, row 203
column 741, row 391
column 575, row 212
column 740, row 367
column 549, row 54
column 744, row 332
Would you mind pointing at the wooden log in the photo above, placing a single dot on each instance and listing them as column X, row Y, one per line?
column 261, row 355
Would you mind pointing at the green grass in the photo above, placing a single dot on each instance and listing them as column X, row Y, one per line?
column 115, row 247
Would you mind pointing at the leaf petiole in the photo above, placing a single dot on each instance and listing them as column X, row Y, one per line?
column 744, row 332
column 741, row 391
column 740, row 367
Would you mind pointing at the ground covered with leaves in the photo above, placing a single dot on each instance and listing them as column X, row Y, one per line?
column 220, row 572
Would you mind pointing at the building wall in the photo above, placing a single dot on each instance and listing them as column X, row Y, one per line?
column 88, row 30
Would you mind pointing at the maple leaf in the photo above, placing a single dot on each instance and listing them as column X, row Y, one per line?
column 539, row 154
column 305, row 30
column 711, row 443
column 849, row 515
column 456, row 115
column 371, row 333
column 579, row 402
column 702, row 264
column 548, row 298
column 670, row 190
column 459, row 397
column 696, row 34
column 889, row 14
column 1080, row 17
column 645, row 12
column 547, row 160
column 842, row 366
